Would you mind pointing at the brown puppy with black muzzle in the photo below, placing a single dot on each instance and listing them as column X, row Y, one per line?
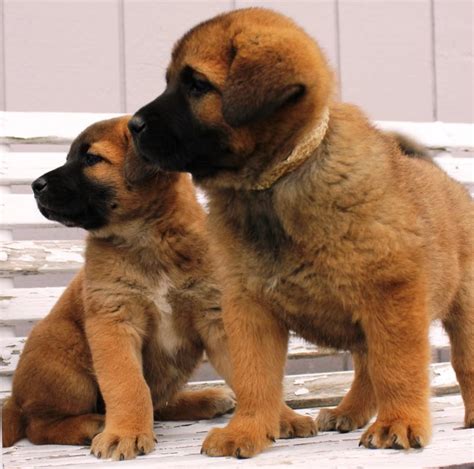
column 322, row 226
column 133, row 324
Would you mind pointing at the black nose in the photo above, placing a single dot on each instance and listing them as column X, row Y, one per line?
column 136, row 124
column 39, row 185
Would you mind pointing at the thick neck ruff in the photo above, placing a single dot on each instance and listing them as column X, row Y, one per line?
column 297, row 157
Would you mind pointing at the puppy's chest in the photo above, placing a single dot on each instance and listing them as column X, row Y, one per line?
column 167, row 334
column 255, row 222
column 310, row 300
column 292, row 284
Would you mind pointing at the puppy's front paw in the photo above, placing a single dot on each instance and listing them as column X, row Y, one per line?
column 399, row 434
column 469, row 419
column 119, row 447
column 240, row 439
column 334, row 419
column 294, row 425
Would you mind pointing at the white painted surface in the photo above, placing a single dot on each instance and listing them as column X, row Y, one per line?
column 48, row 256
column 25, row 167
column 435, row 134
column 21, row 211
column 46, row 127
column 27, row 304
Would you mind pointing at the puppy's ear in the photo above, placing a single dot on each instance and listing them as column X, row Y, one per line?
column 261, row 80
column 136, row 171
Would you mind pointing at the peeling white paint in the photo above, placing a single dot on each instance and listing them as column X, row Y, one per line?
column 5, row 354
column 443, row 377
column 63, row 257
column 26, row 258
column 301, row 391
column 307, row 380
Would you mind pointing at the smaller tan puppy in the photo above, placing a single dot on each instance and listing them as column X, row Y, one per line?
column 134, row 322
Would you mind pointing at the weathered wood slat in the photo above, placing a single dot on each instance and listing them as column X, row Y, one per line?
column 23, row 168
column 21, row 211
column 435, row 135
column 10, row 350
column 461, row 169
column 45, row 127
column 55, row 127
column 179, row 445
column 33, row 258
column 26, row 305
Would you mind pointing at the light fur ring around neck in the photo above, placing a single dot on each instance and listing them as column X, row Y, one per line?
column 296, row 158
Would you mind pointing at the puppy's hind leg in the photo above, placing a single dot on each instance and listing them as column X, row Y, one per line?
column 396, row 327
column 64, row 430
column 197, row 405
column 358, row 405
column 459, row 324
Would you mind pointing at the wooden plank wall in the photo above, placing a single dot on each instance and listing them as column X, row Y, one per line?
column 398, row 59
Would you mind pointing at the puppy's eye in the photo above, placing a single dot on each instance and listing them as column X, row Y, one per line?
column 91, row 160
column 198, row 87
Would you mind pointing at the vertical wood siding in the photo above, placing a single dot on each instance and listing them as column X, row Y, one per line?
column 386, row 57
column 454, row 43
column 62, row 55
column 398, row 59
column 151, row 29
column 2, row 64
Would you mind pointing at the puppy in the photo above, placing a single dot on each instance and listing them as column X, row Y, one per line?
column 322, row 227
column 133, row 324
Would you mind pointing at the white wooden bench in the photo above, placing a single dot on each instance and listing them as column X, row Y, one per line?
column 41, row 259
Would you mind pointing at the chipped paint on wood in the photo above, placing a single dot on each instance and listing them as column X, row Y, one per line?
column 48, row 257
